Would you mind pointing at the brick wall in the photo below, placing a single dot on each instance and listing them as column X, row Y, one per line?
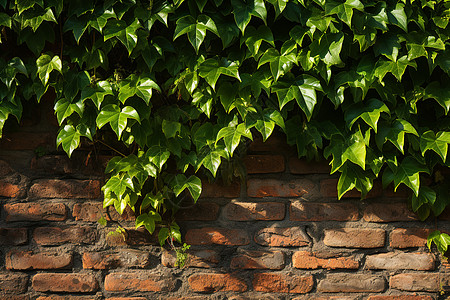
column 280, row 235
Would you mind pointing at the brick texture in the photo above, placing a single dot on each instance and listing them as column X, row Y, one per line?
column 402, row 297
column 93, row 211
column 196, row 258
column 13, row 236
column 264, row 164
column 11, row 283
column 281, row 283
column 125, row 258
column 409, row 237
column 60, row 282
column 27, row 260
column 208, row 282
column 35, row 212
column 138, row 282
column 260, row 188
column 354, row 238
column 282, row 237
column 219, row 236
column 351, row 283
column 65, row 189
column 302, row 166
column 416, row 282
column 307, row 211
column 248, row 211
column 49, row 236
column 217, row 190
column 10, row 190
column 400, row 261
column 388, row 212
column 247, row 259
column 307, row 260
column 202, row 211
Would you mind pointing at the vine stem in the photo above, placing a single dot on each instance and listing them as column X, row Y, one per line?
column 115, row 150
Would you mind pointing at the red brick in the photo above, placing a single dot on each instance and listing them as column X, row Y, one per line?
column 354, row 237
column 307, row 260
column 416, row 282
column 202, row 211
column 126, row 298
column 251, row 211
column 302, row 166
column 400, row 297
column 35, row 212
column 131, row 237
column 216, row 190
column 66, row 189
column 183, row 298
column 15, row 297
column 322, row 297
column 260, row 188
column 409, row 237
column 49, row 236
column 93, row 211
column 196, row 259
column 67, row 297
column 138, row 282
column 52, row 164
column 282, row 237
column 400, row 261
column 219, row 236
column 247, row 259
column 328, row 189
column 26, row 140
column 253, row 296
column 275, row 143
column 351, row 283
column 60, row 282
column 12, row 283
column 313, row 212
column 208, row 282
column 388, row 212
column 27, row 260
column 11, row 190
column 260, row 164
column 128, row 258
column 282, row 283
column 13, row 236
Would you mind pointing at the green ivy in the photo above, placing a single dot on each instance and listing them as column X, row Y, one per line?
column 177, row 87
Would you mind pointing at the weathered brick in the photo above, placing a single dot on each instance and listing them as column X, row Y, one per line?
column 66, row 189
column 313, row 212
column 5, row 169
column 282, row 237
column 282, row 283
column 35, row 212
column 323, row 297
column 351, row 283
column 26, row 140
column 217, row 190
column 273, row 144
column 328, row 189
column 354, row 237
column 416, row 282
column 183, row 298
column 56, row 164
column 15, row 297
column 27, row 260
column 138, row 282
column 12, row 283
column 202, row 211
column 13, row 236
column 251, row 211
column 49, row 236
column 93, row 211
column 219, row 236
column 400, row 261
column 401, row 297
column 11, row 190
column 196, row 258
column 67, row 297
column 409, row 237
column 260, row 164
column 260, row 188
column 247, row 259
column 209, row 282
column 128, row 258
column 302, row 166
column 307, row 260
column 60, row 282
column 388, row 212
column 254, row 295
column 126, row 298
column 131, row 237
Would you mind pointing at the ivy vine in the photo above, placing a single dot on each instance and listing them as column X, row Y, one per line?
column 179, row 85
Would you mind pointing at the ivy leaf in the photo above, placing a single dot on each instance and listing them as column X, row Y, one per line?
column 395, row 134
column 438, row 143
column 254, row 37
column 232, row 137
column 77, row 25
column 442, row 95
column 279, row 63
column 64, row 108
column 97, row 93
column 426, row 196
column 397, row 68
column 170, row 128
column 328, row 48
column 116, row 117
column 441, row 240
column 69, row 138
column 302, row 89
column 148, row 220
column 369, row 111
column 157, row 155
column 193, row 184
column 398, row 17
column 195, row 29
column 126, row 34
column 134, row 85
column 388, row 45
column 408, row 173
column 5, row 20
column 118, row 184
column 210, row 159
column 353, row 176
column 212, row 68
column 344, row 11
column 243, row 11
column 266, row 121
column 46, row 64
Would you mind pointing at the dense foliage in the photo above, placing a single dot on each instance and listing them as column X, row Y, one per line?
column 184, row 85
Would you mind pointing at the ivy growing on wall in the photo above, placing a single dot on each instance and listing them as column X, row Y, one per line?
column 179, row 87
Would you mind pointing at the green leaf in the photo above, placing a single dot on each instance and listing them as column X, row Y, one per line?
column 397, row 68
column 302, row 89
column 441, row 240
column 157, row 155
column 243, row 11
column 118, row 185
column 193, row 184
column 5, row 20
column 97, row 93
column 77, row 25
column 126, row 34
column 369, row 111
column 426, row 196
column 148, row 220
column 232, row 137
column 170, row 128
column 344, row 11
column 395, row 134
column 408, row 173
column 279, row 63
column 441, row 94
column 438, row 143
column 140, row 86
column 116, row 117
column 328, row 48
column 69, row 138
column 163, row 235
column 212, row 68
column 64, row 108
column 254, row 37
column 195, row 29
column 398, row 17
column 388, row 45
column 46, row 64
column 353, row 176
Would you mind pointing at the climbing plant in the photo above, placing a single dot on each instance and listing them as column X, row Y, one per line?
column 178, row 87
